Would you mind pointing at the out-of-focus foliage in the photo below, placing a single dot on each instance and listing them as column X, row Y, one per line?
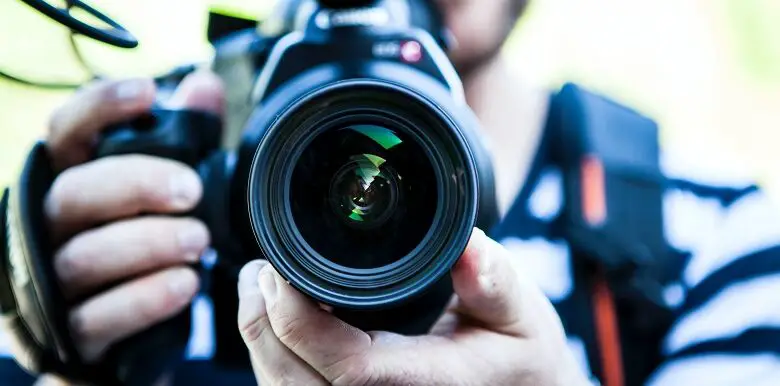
column 707, row 70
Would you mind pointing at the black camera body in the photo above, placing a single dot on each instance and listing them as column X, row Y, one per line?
column 359, row 176
column 366, row 71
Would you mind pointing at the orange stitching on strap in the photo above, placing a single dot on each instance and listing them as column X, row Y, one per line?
column 607, row 334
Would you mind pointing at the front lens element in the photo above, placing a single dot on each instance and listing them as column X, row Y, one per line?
column 363, row 196
column 364, row 193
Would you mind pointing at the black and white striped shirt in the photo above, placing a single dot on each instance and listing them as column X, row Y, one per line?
column 727, row 297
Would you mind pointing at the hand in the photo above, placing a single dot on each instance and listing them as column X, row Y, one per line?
column 499, row 330
column 123, row 261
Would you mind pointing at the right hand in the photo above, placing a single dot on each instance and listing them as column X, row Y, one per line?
column 123, row 258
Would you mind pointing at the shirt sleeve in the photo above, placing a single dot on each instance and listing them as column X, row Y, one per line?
column 727, row 330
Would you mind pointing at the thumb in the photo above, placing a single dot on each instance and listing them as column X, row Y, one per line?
column 493, row 291
column 202, row 90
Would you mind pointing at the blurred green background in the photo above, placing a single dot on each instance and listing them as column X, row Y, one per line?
column 707, row 70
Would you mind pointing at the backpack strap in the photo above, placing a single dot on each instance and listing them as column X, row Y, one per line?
column 612, row 218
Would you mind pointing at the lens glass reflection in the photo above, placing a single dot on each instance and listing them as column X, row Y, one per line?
column 363, row 196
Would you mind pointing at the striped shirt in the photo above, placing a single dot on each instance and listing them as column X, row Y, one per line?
column 727, row 296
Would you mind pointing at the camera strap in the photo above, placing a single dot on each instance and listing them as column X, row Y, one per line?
column 34, row 312
column 612, row 219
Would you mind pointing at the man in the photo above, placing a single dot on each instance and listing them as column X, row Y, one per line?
column 499, row 331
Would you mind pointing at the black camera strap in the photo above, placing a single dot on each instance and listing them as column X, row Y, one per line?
column 34, row 312
column 613, row 220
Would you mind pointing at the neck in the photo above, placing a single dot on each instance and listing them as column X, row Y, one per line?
column 512, row 115
column 478, row 81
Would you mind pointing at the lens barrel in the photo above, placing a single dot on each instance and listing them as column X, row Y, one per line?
column 363, row 193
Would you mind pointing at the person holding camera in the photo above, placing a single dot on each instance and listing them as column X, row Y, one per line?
column 522, row 312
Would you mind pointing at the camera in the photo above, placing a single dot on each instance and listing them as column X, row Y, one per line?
column 359, row 174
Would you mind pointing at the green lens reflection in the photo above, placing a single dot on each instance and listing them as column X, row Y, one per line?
column 362, row 189
column 355, row 215
column 384, row 137
column 367, row 168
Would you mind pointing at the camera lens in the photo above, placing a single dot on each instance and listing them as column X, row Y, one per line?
column 363, row 195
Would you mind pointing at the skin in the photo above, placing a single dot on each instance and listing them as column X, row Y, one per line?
column 500, row 329
column 113, row 222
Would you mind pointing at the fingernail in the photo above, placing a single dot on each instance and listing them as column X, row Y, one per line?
column 185, row 190
column 182, row 284
column 193, row 240
column 484, row 259
column 131, row 89
column 477, row 243
column 268, row 285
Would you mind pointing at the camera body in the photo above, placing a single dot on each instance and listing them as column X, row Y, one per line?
column 359, row 173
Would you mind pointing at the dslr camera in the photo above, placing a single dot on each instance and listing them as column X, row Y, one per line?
column 359, row 175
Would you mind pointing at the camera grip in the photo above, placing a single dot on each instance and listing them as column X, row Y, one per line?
column 188, row 137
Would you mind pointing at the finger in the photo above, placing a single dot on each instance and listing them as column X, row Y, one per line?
column 51, row 380
column 118, row 187
column 75, row 125
column 335, row 349
column 493, row 291
column 272, row 361
column 201, row 90
column 130, row 308
column 125, row 249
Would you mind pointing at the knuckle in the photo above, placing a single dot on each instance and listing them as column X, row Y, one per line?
column 87, row 342
column 152, row 309
column 96, row 98
column 96, row 89
column 252, row 331
column 163, row 298
column 287, row 327
column 52, row 205
column 171, row 303
column 69, row 263
column 155, row 181
column 57, row 121
column 83, row 102
column 150, row 186
column 61, row 191
column 78, row 326
column 102, row 90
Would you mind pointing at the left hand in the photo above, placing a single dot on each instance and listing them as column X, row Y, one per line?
column 499, row 330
